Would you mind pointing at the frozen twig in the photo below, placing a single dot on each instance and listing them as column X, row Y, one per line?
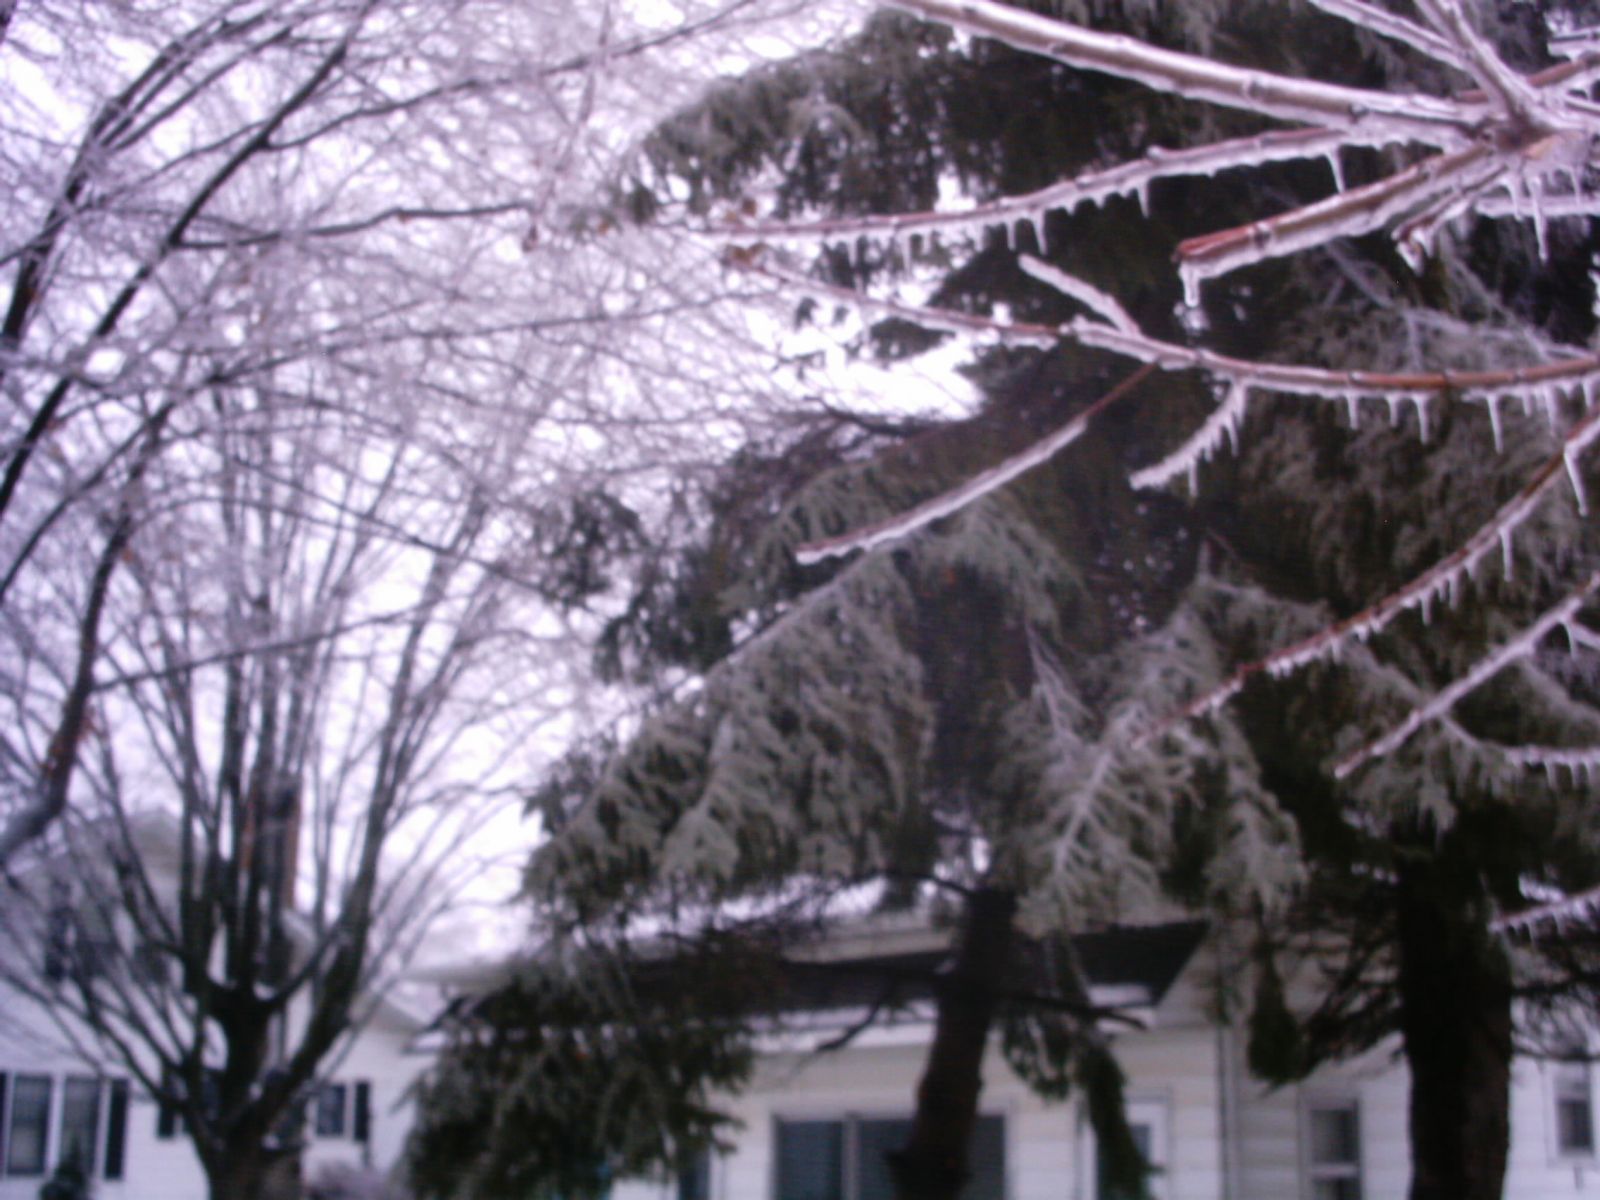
column 977, row 486
column 1430, row 120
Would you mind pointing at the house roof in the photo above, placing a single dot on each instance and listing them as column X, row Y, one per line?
column 1131, row 965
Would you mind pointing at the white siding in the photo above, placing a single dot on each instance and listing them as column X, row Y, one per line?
column 166, row 1168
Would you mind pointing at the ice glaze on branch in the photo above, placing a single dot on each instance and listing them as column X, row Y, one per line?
column 1440, row 581
column 1416, row 117
column 1583, row 906
column 1131, row 178
column 1525, row 643
column 981, row 484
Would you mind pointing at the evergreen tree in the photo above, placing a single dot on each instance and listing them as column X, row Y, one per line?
column 993, row 693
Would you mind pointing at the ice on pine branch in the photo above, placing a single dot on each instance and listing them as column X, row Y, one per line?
column 1516, row 145
column 1412, row 117
column 981, row 484
column 1131, row 178
column 1533, row 388
column 1581, row 908
column 1562, row 616
column 1442, row 581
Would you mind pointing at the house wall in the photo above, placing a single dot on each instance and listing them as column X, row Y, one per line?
column 1182, row 1070
column 1048, row 1153
column 157, row 1168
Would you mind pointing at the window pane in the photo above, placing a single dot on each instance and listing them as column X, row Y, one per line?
column 986, row 1159
column 1144, row 1139
column 330, row 1110
column 30, row 1114
column 80, row 1123
column 1575, row 1126
column 694, row 1181
column 810, row 1160
column 875, row 1141
column 1335, row 1136
column 1347, row 1188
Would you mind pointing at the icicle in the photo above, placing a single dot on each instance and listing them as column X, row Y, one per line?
column 1011, row 236
column 1572, row 638
column 1393, row 401
column 1036, row 223
column 1142, row 194
column 1427, row 608
column 1552, row 408
column 1587, row 388
column 1337, row 168
column 1194, row 476
column 1352, row 404
column 1191, row 286
column 1420, row 402
column 1492, row 403
column 1505, row 550
column 1527, row 402
column 1571, row 461
column 1541, row 232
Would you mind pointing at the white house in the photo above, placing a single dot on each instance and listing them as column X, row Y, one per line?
column 814, row 1124
column 61, row 1098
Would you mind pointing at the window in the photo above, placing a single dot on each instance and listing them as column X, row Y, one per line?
column 1333, row 1151
column 89, row 1126
column 331, row 1100
column 1147, row 1120
column 29, row 1127
column 694, row 1180
column 1574, row 1110
column 847, row 1158
column 80, row 1123
column 344, row 1110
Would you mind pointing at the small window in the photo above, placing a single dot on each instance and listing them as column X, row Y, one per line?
column 1574, row 1109
column 330, row 1117
column 1147, row 1121
column 1333, row 1151
column 29, row 1126
column 694, row 1179
column 80, row 1123
column 847, row 1158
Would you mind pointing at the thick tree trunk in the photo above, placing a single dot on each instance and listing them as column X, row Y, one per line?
column 1455, row 991
column 242, row 1175
column 933, row 1163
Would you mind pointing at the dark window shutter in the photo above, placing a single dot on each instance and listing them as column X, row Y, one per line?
column 362, row 1121
column 166, row 1111
column 116, row 1129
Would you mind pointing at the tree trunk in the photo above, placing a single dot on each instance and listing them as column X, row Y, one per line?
column 258, row 1175
column 933, row 1163
column 1456, row 1020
